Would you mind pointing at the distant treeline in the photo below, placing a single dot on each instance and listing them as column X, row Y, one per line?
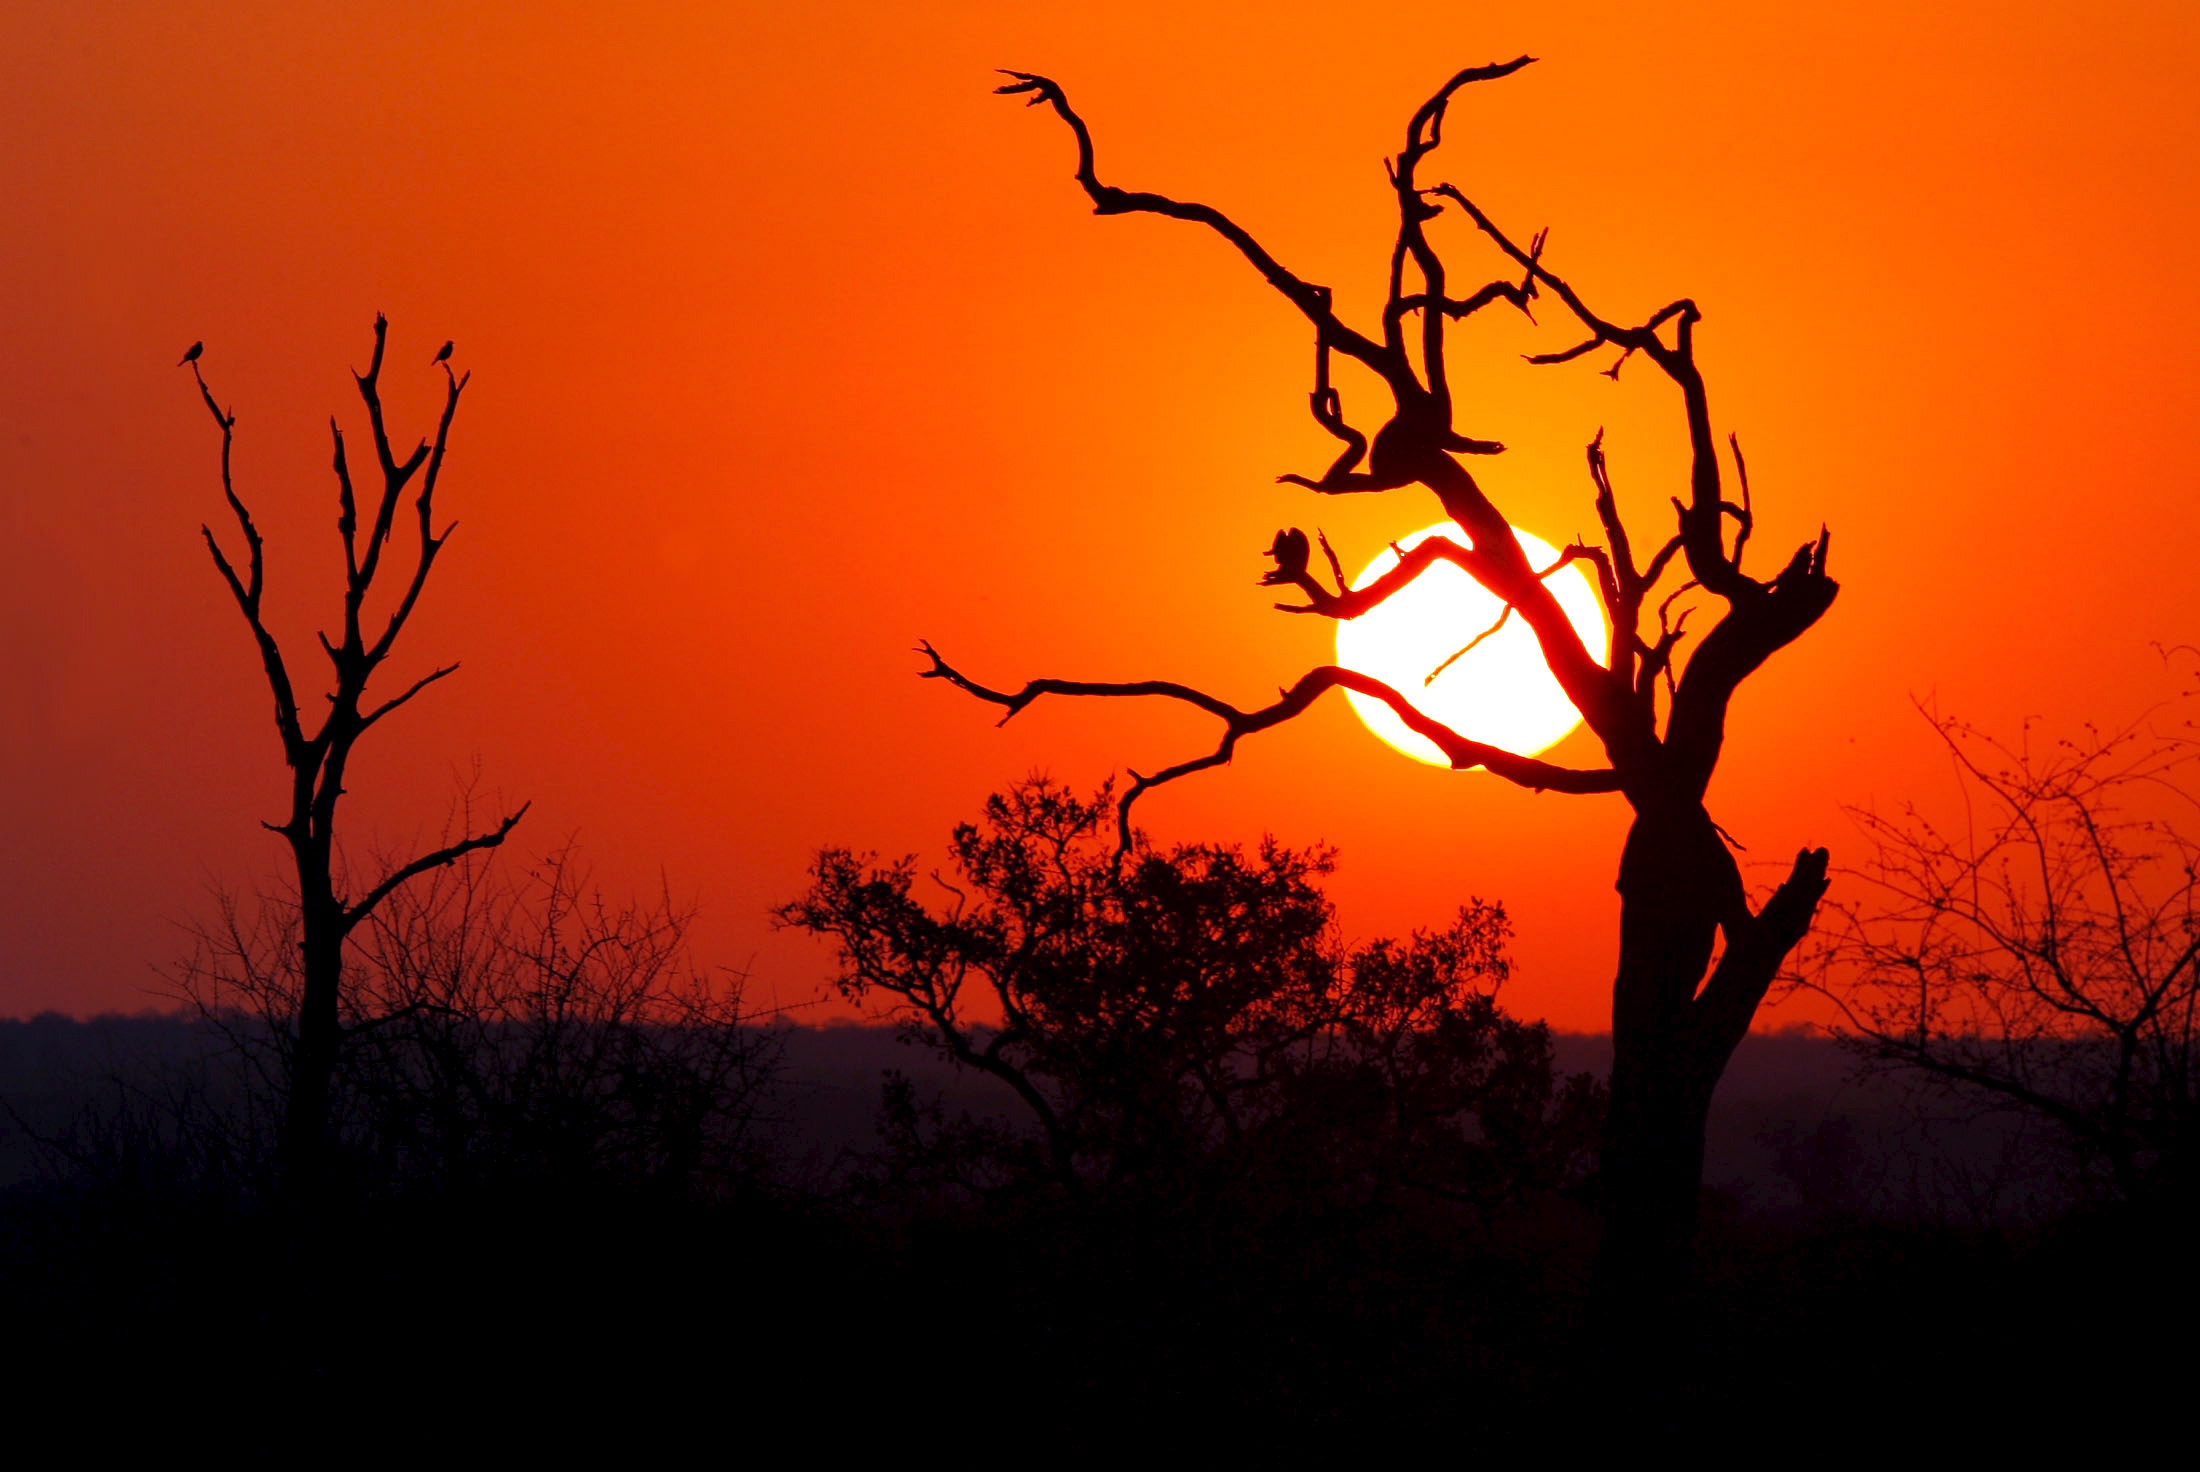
column 1798, row 1126
column 818, row 1268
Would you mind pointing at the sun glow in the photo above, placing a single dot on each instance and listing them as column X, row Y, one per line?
column 1501, row 692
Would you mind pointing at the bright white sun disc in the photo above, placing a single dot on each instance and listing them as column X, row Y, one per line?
column 1502, row 693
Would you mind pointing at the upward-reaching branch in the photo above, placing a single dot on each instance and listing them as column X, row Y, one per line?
column 394, row 473
column 247, row 590
column 1423, row 133
column 431, row 541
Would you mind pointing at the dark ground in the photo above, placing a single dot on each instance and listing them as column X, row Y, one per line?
column 1868, row 1268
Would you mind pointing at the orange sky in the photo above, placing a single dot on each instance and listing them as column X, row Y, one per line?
column 793, row 344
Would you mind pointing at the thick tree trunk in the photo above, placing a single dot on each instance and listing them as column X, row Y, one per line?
column 313, row 1061
column 1676, row 1020
column 1651, row 1174
column 1677, row 885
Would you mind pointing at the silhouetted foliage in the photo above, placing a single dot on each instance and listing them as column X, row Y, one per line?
column 2044, row 956
column 1187, row 1022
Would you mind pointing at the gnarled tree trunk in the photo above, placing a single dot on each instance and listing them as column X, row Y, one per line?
column 1677, row 1012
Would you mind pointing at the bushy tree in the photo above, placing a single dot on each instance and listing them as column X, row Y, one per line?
column 1189, row 1020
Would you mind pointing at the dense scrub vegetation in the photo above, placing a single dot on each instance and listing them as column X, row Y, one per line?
column 1161, row 1147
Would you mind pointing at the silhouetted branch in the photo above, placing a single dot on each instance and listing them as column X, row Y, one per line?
column 1423, row 133
column 1520, row 296
column 395, row 475
column 1504, row 616
column 247, row 590
column 1328, row 411
column 1575, row 552
column 1312, row 300
column 431, row 543
column 1744, row 514
column 449, row 854
column 1701, row 523
column 1756, row 947
column 1749, row 634
column 1463, row 754
column 1349, row 603
column 414, row 689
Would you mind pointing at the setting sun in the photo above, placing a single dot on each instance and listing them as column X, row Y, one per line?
column 1499, row 692
column 705, row 647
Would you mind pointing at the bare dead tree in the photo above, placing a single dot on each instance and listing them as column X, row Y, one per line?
column 2044, row 955
column 533, row 1027
column 500, row 1027
column 1696, row 958
column 318, row 759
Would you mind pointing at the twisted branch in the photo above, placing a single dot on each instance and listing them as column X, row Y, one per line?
column 1464, row 754
column 1310, row 299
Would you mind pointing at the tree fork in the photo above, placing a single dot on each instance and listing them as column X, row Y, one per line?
column 1674, row 1026
column 318, row 761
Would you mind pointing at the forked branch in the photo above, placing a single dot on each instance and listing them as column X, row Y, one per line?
column 1755, row 948
column 1423, row 133
column 396, row 476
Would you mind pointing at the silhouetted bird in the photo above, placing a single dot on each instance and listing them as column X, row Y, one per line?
column 192, row 356
column 445, row 355
column 1290, row 551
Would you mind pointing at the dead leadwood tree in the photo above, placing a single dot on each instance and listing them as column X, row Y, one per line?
column 319, row 758
column 2041, row 956
column 1682, row 1000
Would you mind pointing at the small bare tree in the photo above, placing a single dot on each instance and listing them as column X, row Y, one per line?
column 534, row 1028
column 499, row 1029
column 2043, row 957
column 1696, row 957
column 319, row 758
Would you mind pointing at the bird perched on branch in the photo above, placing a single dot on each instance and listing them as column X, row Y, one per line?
column 1290, row 550
column 193, row 355
column 444, row 355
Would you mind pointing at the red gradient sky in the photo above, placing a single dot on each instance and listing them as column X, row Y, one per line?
column 792, row 344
